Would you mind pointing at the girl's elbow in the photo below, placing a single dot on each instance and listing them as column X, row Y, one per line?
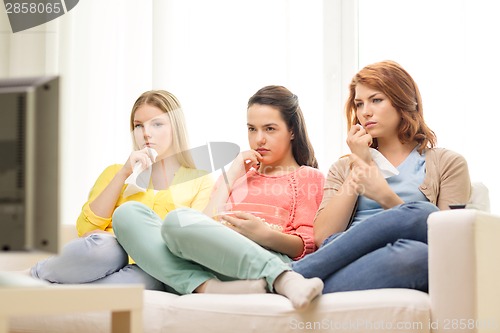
column 318, row 243
column 319, row 238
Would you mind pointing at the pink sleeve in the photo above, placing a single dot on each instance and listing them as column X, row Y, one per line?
column 309, row 192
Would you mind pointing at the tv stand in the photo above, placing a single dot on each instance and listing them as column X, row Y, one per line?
column 22, row 297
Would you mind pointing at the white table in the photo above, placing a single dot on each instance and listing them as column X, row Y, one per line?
column 125, row 303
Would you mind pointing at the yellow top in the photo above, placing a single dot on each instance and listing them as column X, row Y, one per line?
column 190, row 188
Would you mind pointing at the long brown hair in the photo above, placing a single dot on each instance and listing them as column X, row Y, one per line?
column 393, row 81
column 288, row 105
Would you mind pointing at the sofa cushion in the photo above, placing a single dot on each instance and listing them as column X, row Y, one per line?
column 383, row 310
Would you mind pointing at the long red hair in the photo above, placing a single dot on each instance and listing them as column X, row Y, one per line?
column 393, row 81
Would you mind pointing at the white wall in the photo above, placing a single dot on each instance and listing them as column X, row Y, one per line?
column 215, row 54
column 104, row 64
column 451, row 48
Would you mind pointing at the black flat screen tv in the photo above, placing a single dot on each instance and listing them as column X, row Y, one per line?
column 29, row 164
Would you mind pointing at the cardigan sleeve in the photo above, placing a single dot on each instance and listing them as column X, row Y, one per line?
column 337, row 174
column 451, row 179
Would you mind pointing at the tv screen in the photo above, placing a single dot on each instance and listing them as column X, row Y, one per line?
column 29, row 164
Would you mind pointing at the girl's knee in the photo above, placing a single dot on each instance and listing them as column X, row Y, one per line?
column 94, row 244
column 179, row 218
column 101, row 245
column 423, row 208
column 122, row 214
column 183, row 224
column 416, row 214
column 83, row 260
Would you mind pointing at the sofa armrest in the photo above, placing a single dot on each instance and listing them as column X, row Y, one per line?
column 464, row 271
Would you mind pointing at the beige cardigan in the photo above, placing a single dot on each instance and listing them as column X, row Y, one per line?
column 446, row 181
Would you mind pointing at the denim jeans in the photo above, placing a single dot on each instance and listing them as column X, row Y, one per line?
column 387, row 250
column 97, row 258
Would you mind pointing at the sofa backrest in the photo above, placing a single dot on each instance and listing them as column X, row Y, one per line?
column 480, row 197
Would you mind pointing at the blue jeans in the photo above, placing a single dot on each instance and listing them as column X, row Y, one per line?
column 387, row 250
column 97, row 258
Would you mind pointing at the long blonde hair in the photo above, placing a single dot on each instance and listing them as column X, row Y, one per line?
column 169, row 104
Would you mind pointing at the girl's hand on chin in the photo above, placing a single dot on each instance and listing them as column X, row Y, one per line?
column 251, row 159
column 244, row 162
column 142, row 156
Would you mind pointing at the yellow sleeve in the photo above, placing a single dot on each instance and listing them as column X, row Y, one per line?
column 191, row 189
column 200, row 200
column 88, row 221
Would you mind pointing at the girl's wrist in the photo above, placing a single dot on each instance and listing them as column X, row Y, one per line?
column 124, row 173
column 233, row 174
column 349, row 186
column 390, row 200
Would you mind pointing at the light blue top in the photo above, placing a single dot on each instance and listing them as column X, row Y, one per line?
column 405, row 185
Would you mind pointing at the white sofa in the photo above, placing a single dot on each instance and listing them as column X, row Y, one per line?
column 464, row 272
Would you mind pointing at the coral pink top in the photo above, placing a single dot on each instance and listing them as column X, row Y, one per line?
column 299, row 192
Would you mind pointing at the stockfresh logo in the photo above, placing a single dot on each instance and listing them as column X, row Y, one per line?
column 26, row 14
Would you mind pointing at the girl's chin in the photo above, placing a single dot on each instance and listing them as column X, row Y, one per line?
column 265, row 160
